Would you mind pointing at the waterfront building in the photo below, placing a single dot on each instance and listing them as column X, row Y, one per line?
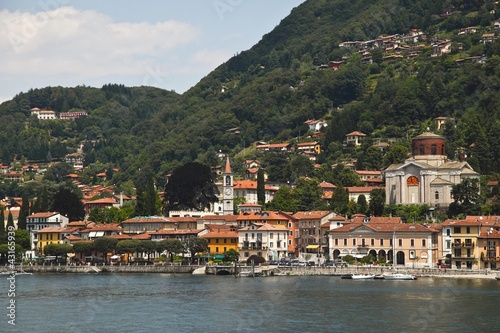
column 309, row 238
column 263, row 239
column 411, row 245
column 221, row 240
column 39, row 221
column 52, row 235
column 463, row 236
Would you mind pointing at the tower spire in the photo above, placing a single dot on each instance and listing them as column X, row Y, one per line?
column 227, row 169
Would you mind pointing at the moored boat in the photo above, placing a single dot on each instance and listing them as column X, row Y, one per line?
column 399, row 276
column 363, row 276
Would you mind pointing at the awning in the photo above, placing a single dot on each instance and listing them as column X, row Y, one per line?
column 219, row 256
column 312, row 246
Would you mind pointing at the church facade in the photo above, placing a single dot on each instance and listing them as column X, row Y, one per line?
column 428, row 176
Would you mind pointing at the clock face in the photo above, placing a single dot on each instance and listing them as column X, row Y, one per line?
column 227, row 191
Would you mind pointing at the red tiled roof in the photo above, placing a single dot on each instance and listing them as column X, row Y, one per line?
column 221, row 234
column 309, row 215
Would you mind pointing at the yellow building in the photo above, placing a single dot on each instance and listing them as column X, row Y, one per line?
column 50, row 235
column 221, row 240
column 463, row 236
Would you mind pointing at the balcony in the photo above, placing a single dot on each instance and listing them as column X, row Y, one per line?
column 363, row 246
column 464, row 244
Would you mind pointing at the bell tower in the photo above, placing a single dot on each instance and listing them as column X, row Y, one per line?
column 227, row 189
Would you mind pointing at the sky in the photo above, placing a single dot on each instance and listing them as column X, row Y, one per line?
column 170, row 44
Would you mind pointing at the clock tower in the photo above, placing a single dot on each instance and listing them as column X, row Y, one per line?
column 227, row 189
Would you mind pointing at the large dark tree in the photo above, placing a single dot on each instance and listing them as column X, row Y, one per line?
column 191, row 186
column 69, row 204
column 10, row 222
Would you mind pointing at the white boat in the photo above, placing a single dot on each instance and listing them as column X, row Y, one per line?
column 358, row 276
column 399, row 276
column 363, row 276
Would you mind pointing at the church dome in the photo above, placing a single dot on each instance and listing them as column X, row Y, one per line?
column 428, row 144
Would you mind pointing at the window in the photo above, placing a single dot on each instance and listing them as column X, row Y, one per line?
column 433, row 149
column 448, row 244
column 456, row 230
column 448, row 232
column 412, row 242
column 225, row 249
column 400, row 242
column 354, row 241
column 381, row 242
column 217, row 249
column 436, row 195
column 247, row 254
column 423, row 243
column 372, row 242
column 271, row 244
column 421, row 150
column 336, row 241
column 390, row 242
column 345, row 241
column 468, row 230
column 271, row 235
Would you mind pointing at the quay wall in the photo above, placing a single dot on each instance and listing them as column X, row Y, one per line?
column 266, row 270
column 168, row 269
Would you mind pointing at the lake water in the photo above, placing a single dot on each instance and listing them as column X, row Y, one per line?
column 186, row 303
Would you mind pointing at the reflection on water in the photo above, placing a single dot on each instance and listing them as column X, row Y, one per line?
column 185, row 303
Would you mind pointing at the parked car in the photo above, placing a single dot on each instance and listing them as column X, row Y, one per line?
column 329, row 262
column 311, row 263
column 297, row 262
column 273, row 262
column 340, row 263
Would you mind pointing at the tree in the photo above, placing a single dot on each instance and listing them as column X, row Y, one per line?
column 283, row 200
column 105, row 245
column 307, row 194
column 58, row 250
column 23, row 212
column 128, row 246
column 23, row 239
column 377, row 201
column 172, row 246
column 466, row 198
column 85, row 248
column 69, row 204
column 396, row 153
column 147, row 197
column 3, row 234
column 261, row 190
column 231, row 255
column 340, row 200
column 362, row 204
column 148, row 247
column 195, row 245
column 10, row 221
column 191, row 186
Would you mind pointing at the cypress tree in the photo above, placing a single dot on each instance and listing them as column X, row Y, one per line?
column 23, row 213
column 2, row 225
column 261, row 189
column 10, row 221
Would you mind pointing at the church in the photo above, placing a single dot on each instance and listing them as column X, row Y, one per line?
column 428, row 176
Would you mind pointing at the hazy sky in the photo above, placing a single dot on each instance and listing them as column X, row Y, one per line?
column 169, row 44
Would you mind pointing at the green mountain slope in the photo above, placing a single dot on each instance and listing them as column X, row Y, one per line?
column 270, row 90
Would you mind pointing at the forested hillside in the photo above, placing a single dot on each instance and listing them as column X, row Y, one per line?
column 269, row 91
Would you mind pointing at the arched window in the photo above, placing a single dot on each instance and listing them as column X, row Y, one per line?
column 421, row 150
column 433, row 149
column 412, row 181
column 228, row 180
column 436, row 195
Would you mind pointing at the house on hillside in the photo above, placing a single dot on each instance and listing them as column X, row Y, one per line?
column 354, row 138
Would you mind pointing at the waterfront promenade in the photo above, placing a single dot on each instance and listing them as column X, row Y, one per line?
column 276, row 270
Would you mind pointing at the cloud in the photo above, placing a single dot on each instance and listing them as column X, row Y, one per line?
column 85, row 43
